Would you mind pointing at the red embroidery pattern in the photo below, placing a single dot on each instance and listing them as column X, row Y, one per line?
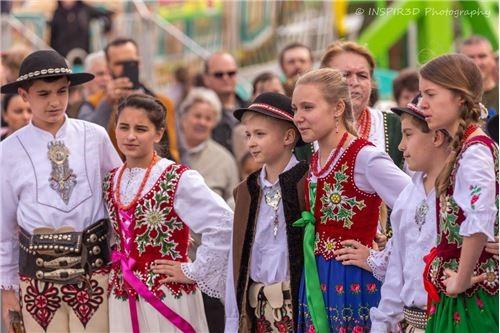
column 355, row 288
column 341, row 209
column 83, row 300
column 263, row 326
column 285, row 325
column 42, row 302
column 157, row 232
column 339, row 288
column 371, row 287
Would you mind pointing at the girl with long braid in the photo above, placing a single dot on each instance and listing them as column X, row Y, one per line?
column 460, row 277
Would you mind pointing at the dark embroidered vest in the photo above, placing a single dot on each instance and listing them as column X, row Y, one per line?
column 450, row 218
column 248, row 196
column 157, row 232
column 341, row 209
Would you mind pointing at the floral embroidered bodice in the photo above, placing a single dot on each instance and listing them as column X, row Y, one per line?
column 149, row 230
column 449, row 240
column 343, row 211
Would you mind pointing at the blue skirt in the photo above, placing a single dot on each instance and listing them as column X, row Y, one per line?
column 349, row 293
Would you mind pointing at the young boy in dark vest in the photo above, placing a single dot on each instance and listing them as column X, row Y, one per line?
column 266, row 258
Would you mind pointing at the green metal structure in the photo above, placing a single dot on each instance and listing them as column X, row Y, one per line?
column 435, row 21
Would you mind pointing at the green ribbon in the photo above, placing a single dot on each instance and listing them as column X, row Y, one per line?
column 315, row 300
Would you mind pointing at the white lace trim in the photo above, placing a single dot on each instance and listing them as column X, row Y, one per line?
column 377, row 261
column 9, row 286
column 132, row 178
column 209, row 270
column 204, row 287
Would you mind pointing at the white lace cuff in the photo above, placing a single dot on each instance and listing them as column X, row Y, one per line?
column 377, row 261
column 8, row 283
column 210, row 283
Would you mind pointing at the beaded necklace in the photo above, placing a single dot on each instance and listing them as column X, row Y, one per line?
column 469, row 130
column 315, row 158
column 364, row 123
column 154, row 159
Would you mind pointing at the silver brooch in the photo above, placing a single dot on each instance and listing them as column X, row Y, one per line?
column 273, row 198
column 421, row 213
column 62, row 178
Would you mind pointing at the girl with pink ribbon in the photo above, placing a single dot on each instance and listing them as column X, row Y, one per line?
column 153, row 204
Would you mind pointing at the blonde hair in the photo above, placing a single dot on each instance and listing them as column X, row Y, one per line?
column 342, row 46
column 333, row 86
column 282, row 124
column 459, row 74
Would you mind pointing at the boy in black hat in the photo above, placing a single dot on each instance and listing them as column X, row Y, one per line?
column 53, row 240
column 266, row 258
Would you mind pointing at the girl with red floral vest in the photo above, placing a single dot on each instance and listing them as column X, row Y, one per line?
column 349, row 177
column 153, row 203
column 467, row 201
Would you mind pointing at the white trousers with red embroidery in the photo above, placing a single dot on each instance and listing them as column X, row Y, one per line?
column 49, row 307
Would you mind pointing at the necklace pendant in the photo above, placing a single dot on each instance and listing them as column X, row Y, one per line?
column 275, row 226
column 62, row 178
column 273, row 198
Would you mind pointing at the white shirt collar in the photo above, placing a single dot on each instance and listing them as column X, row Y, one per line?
column 60, row 132
column 262, row 177
column 418, row 181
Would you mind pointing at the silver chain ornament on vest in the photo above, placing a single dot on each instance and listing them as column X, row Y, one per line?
column 273, row 198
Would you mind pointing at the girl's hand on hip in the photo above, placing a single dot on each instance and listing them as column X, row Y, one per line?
column 172, row 269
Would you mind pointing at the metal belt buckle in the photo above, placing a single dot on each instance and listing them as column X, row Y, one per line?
column 60, row 275
column 60, row 262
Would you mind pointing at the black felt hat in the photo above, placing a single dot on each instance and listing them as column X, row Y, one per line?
column 271, row 104
column 412, row 108
column 42, row 64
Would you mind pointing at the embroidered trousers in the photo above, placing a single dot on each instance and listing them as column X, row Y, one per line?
column 272, row 307
column 73, row 308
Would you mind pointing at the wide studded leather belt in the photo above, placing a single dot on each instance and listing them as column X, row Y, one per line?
column 415, row 317
column 63, row 255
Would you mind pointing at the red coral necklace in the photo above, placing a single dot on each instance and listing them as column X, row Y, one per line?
column 154, row 159
column 469, row 130
column 315, row 158
column 364, row 124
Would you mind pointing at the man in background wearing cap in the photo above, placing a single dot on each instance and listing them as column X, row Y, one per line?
column 54, row 228
column 266, row 257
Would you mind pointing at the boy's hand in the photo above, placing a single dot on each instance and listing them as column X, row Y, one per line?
column 453, row 284
column 10, row 301
column 172, row 269
column 492, row 247
column 353, row 253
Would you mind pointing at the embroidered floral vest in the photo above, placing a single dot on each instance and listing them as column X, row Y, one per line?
column 450, row 217
column 343, row 211
column 156, row 232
